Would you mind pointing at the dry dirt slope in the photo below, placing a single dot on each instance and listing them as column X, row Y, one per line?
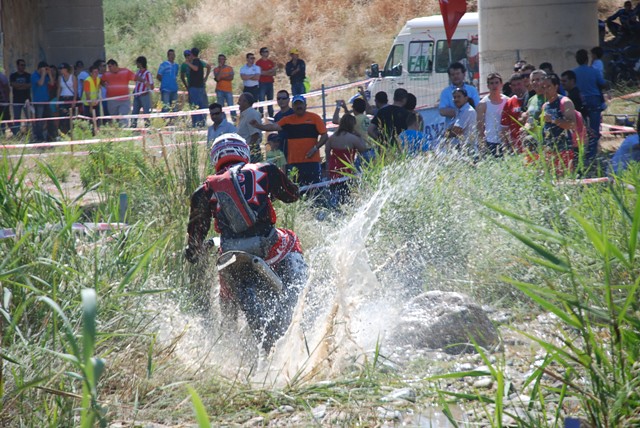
column 338, row 39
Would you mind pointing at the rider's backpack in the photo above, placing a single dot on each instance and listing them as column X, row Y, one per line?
column 239, row 215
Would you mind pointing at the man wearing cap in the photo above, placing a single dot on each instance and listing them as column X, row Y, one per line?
column 184, row 69
column 67, row 92
column 296, row 70
column 303, row 129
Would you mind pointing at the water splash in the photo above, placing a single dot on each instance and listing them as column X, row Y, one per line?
column 322, row 336
column 420, row 226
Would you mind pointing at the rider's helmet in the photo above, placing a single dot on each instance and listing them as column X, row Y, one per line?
column 228, row 149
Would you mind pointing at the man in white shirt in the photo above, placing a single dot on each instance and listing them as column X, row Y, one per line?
column 489, row 115
column 250, row 75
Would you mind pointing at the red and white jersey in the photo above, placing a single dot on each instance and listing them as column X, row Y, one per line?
column 145, row 86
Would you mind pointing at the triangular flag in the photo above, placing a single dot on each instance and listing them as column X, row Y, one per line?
column 452, row 11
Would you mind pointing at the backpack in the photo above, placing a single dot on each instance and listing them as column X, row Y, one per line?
column 231, row 200
column 579, row 135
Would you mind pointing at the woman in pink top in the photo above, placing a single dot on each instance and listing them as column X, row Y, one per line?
column 340, row 152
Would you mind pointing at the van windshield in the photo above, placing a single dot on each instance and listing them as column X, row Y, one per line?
column 393, row 66
column 458, row 54
column 420, row 57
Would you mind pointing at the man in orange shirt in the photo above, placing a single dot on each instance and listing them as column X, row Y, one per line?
column 116, row 80
column 267, row 71
column 223, row 75
column 303, row 129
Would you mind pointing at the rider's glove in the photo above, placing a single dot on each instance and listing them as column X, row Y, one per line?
column 191, row 254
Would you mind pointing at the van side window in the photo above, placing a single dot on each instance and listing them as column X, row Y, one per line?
column 458, row 54
column 393, row 67
column 421, row 57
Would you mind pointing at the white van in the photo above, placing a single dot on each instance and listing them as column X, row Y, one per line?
column 419, row 59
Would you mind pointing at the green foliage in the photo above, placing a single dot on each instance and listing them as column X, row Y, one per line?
column 115, row 165
column 198, row 408
column 202, row 41
column 131, row 27
column 598, row 304
column 233, row 40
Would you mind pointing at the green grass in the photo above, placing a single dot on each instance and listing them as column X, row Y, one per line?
column 500, row 231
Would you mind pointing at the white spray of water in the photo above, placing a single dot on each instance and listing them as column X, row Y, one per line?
column 348, row 305
column 344, row 325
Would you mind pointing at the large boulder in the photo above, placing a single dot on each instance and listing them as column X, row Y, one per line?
column 445, row 320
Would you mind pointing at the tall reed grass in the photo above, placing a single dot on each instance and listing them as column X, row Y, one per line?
column 66, row 363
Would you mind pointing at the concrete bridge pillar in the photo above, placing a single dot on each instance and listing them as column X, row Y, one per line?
column 536, row 31
column 51, row 30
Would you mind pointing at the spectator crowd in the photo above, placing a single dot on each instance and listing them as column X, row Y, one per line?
column 104, row 89
column 534, row 111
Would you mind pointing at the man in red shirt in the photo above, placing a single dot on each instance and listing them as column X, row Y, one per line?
column 512, row 114
column 267, row 71
column 116, row 80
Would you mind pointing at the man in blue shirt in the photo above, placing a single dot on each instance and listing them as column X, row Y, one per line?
column 40, row 96
column 168, row 78
column 220, row 125
column 629, row 151
column 590, row 83
column 628, row 19
column 448, row 109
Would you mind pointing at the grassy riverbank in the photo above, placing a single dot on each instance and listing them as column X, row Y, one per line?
column 502, row 232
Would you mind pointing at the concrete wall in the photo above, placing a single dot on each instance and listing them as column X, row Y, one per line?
column 51, row 30
column 536, row 31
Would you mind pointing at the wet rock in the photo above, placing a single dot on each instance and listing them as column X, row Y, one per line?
column 388, row 414
column 254, row 422
column 336, row 416
column 285, row 409
column 445, row 320
column 407, row 394
column 388, row 367
column 319, row 411
column 483, row 383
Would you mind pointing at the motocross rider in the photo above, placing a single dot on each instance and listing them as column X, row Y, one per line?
column 238, row 197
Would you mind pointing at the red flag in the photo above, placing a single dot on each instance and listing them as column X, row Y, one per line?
column 452, row 11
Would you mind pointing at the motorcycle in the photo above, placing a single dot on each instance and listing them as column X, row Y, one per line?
column 623, row 65
column 265, row 291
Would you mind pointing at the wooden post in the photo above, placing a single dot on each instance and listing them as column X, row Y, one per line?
column 164, row 152
column 71, row 116
column 94, row 119
column 122, row 207
column 71, row 128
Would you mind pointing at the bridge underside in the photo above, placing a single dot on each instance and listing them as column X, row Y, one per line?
column 50, row 30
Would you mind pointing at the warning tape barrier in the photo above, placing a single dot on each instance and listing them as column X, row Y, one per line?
column 203, row 111
column 596, row 180
column 96, row 140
